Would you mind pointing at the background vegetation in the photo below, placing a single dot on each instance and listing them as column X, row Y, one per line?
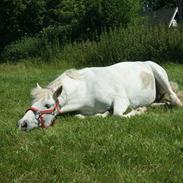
column 85, row 18
column 43, row 29
column 133, row 43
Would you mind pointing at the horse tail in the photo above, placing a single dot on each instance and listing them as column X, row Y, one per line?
column 175, row 88
column 163, row 86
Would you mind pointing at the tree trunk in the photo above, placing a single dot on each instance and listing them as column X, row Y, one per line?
column 180, row 10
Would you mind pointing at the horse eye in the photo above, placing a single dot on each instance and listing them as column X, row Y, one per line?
column 47, row 106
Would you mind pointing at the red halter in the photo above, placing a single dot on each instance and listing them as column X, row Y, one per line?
column 39, row 113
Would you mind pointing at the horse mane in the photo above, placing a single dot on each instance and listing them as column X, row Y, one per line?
column 40, row 94
column 71, row 73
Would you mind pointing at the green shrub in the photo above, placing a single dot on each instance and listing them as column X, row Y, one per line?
column 157, row 43
column 133, row 43
column 95, row 15
column 52, row 40
column 20, row 18
column 45, row 45
column 27, row 47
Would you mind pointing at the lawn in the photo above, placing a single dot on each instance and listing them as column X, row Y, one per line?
column 147, row 148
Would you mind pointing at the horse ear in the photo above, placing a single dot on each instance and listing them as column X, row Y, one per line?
column 38, row 86
column 57, row 93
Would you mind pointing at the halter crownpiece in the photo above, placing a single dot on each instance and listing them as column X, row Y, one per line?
column 40, row 113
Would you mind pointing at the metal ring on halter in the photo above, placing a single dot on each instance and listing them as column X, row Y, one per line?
column 37, row 115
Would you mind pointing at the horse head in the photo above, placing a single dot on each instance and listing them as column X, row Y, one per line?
column 45, row 107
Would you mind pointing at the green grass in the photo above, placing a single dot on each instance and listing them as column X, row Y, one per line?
column 147, row 148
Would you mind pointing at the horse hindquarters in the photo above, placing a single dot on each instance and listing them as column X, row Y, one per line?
column 163, row 84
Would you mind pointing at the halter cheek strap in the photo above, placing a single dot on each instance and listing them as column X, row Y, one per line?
column 39, row 114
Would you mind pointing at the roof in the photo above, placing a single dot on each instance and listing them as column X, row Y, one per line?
column 165, row 15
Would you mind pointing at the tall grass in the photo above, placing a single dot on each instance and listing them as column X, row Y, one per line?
column 27, row 47
column 133, row 43
column 46, row 45
column 158, row 43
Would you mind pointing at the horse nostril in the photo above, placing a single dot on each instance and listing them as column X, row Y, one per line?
column 24, row 124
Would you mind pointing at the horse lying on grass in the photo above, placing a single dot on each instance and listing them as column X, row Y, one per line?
column 99, row 91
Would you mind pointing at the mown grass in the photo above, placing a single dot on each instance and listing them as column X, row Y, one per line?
column 147, row 148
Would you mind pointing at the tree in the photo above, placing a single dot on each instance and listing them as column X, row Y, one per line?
column 9, row 26
column 19, row 18
column 99, row 14
column 87, row 17
column 156, row 4
column 83, row 17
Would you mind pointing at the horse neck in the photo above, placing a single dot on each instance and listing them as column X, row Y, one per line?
column 54, row 85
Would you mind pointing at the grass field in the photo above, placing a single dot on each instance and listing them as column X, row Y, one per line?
column 147, row 148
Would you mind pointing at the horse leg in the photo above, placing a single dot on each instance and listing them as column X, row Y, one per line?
column 80, row 116
column 103, row 115
column 137, row 111
column 158, row 104
column 120, row 105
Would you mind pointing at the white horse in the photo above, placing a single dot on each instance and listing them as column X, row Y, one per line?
column 99, row 91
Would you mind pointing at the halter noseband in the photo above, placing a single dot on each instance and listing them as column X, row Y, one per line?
column 39, row 114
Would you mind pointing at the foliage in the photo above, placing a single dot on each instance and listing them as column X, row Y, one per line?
column 156, row 4
column 21, row 18
column 27, row 47
column 147, row 148
column 133, row 43
column 52, row 40
column 101, row 14
column 46, row 45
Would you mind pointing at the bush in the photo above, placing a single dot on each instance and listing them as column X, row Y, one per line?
column 20, row 18
column 133, row 43
column 95, row 15
column 45, row 45
column 157, row 43
column 27, row 47
column 52, row 40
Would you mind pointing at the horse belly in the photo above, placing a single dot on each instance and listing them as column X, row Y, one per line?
column 143, row 91
column 95, row 107
column 143, row 98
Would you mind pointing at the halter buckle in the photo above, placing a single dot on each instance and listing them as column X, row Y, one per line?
column 37, row 115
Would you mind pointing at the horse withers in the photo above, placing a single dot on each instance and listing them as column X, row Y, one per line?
column 99, row 91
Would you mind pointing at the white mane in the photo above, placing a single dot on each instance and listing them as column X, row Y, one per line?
column 39, row 93
column 71, row 73
column 74, row 74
